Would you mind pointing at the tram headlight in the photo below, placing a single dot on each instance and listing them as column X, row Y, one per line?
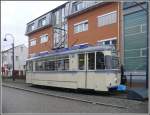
column 115, row 80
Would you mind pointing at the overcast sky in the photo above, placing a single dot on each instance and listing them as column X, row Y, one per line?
column 16, row 14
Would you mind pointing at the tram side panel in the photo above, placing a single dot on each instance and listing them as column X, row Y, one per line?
column 59, row 79
column 106, row 80
column 67, row 79
column 102, row 81
column 29, row 77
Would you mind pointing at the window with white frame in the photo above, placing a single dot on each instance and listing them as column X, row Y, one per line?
column 31, row 27
column 77, row 6
column 57, row 16
column 110, row 41
column 44, row 38
column 32, row 42
column 107, row 19
column 80, row 5
column 63, row 14
column 81, row 26
column 42, row 22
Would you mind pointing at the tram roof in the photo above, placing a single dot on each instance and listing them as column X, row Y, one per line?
column 66, row 51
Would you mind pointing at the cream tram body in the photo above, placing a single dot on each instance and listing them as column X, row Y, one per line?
column 89, row 68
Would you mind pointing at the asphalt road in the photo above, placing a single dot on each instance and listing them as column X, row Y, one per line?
column 18, row 101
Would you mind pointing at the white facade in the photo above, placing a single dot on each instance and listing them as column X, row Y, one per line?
column 20, row 56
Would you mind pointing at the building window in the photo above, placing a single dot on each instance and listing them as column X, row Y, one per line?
column 80, row 27
column 91, row 61
column 100, row 60
column 32, row 55
column 44, row 38
column 17, row 58
column 107, row 19
column 143, row 52
column 113, row 42
column 21, row 48
column 31, row 27
column 107, row 42
column 32, row 42
column 57, row 17
column 110, row 41
column 63, row 14
column 78, row 6
column 12, row 58
column 42, row 22
column 81, row 61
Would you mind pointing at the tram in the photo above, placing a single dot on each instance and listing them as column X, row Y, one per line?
column 93, row 67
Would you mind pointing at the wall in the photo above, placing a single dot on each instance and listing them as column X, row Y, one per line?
column 39, row 47
column 135, row 38
column 94, row 33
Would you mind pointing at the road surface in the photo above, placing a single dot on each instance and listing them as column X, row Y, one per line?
column 19, row 101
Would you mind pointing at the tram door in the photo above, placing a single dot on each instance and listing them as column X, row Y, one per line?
column 94, row 61
column 90, row 67
column 29, row 72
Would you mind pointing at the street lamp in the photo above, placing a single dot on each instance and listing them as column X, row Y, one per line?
column 8, row 34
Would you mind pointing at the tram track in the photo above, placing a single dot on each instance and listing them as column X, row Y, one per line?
column 66, row 97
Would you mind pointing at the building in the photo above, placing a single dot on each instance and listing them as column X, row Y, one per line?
column 97, row 24
column 73, row 24
column 135, row 36
column 20, row 56
column 76, row 23
column 48, row 31
column 136, row 40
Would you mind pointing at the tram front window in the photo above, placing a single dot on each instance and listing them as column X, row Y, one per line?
column 81, row 61
column 115, row 62
column 100, row 60
column 29, row 66
column 91, row 61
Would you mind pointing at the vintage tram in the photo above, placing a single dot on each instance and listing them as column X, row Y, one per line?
column 93, row 67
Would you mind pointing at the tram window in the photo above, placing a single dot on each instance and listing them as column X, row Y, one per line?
column 29, row 66
column 81, row 61
column 66, row 64
column 100, row 60
column 108, row 62
column 49, row 65
column 39, row 66
column 60, row 65
column 91, row 61
column 55, row 65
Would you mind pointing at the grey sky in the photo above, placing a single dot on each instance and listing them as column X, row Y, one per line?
column 15, row 15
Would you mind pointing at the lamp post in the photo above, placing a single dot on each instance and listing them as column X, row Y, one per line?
column 8, row 34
